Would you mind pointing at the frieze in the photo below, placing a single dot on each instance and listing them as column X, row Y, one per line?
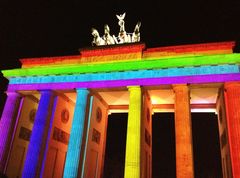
column 65, row 116
column 60, row 136
column 32, row 115
column 191, row 79
column 25, row 133
column 187, row 71
column 147, row 137
column 223, row 139
column 96, row 136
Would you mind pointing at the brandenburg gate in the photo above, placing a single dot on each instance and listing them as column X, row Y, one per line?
column 54, row 122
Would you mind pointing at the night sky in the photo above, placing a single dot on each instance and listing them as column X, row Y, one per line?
column 52, row 28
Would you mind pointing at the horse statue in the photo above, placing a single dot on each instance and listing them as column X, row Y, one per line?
column 122, row 36
column 109, row 40
column 97, row 40
column 136, row 33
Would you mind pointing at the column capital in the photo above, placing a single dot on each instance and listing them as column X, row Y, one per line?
column 231, row 85
column 46, row 91
column 49, row 92
column 13, row 93
column 178, row 87
column 135, row 87
column 81, row 89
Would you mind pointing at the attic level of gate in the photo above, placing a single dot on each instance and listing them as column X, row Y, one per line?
column 131, row 52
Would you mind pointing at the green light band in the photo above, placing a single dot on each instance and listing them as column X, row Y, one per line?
column 125, row 66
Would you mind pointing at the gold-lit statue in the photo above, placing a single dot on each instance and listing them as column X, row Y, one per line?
column 109, row 40
column 97, row 40
column 123, row 36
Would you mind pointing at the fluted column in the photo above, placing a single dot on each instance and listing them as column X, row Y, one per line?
column 37, row 144
column 75, row 142
column 232, row 102
column 7, row 123
column 183, row 132
column 132, row 159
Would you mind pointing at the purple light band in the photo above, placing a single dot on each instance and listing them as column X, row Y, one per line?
column 38, row 139
column 49, row 136
column 7, row 123
column 15, row 129
column 122, row 83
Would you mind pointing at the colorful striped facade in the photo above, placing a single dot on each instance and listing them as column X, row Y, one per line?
column 50, row 125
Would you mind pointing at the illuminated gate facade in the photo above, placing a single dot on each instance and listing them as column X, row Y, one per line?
column 56, row 112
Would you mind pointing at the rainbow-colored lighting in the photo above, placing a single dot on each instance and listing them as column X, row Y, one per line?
column 38, row 140
column 127, row 65
column 133, row 143
column 75, row 142
column 6, row 122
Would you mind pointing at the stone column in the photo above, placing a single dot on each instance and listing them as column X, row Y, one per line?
column 183, row 132
column 75, row 141
column 38, row 140
column 7, row 124
column 132, row 159
column 232, row 102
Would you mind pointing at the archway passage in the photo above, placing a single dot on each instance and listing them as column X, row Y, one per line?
column 115, row 145
column 206, row 148
column 163, row 147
